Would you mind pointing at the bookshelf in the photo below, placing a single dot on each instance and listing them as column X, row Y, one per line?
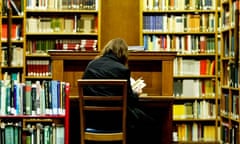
column 27, row 114
column 190, row 28
column 16, row 80
column 58, row 25
column 229, row 110
column 12, row 59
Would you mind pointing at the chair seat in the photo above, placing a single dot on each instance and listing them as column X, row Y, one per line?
column 92, row 130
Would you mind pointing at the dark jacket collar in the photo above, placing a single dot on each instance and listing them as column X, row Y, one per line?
column 113, row 57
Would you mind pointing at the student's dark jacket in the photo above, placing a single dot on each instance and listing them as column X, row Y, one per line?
column 108, row 67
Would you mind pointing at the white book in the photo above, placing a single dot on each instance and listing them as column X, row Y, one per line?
column 195, row 132
column 60, row 134
column 3, row 97
column 137, row 84
column 188, row 87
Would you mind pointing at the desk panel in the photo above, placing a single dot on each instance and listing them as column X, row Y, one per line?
column 156, row 68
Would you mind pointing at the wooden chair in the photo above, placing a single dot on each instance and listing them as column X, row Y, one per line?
column 84, row 100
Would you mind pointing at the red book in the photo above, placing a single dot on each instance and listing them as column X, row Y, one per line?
column 13, row 31
column 203, row 44
column 203, row 67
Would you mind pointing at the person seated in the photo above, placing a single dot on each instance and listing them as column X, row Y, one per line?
column 112, row 63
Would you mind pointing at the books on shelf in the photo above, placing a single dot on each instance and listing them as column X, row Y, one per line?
column 179, row 5
column 197, row 109
column 195, row 132
column 179, row 23
column 183, row 44
column 63, row 4
column 38, row 67
column 16, row 56
column 84, row 23
column 31, row 98
column 194, row 88
column 194, row 67
column 16, row 32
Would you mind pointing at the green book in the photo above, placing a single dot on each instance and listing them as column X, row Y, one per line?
column 9, row 133
column 28, row 86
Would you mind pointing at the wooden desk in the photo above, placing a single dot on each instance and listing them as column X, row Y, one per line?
column 156, row 68
column 160, row 107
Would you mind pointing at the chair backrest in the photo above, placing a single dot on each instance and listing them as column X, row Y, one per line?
column 99, row 102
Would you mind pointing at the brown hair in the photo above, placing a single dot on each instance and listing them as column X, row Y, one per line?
column 118, row 47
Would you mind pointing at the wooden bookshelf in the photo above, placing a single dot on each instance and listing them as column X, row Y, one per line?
column 156, row 68
column 58, row 25
column 183, row 27
column 229, row 110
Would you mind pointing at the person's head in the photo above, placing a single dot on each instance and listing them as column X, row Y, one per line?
column 118, row 47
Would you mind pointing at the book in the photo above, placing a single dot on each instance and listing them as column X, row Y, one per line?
column 9, row 133
column 59, row 134
column 46, row 94
column 46, row 134
column 28, row 87
column 38, row 98
column 137, row 84
column 55, row 96
column 17, row 59
column 2, row 132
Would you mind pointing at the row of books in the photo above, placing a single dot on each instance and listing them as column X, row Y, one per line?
column 227, row 16
column 7, row 76
column 38, row 67
column 11, row 133
column 195, row 132
column 38, row 133
column 201, row 109
column 197, row 67
column 62, row 4
column 195, row 88
column 233, row 130
column 233, row 110
column 16, row 32
column 179, row 23
column 188, row 44
column 86, row 23
column 180, row 4
column 228, row 45
column 33, row 98
column 44, row 133
column 16, row 55
column 42, row 46
column 231, row 75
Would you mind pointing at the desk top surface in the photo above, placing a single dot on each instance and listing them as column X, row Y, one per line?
column 141, row 55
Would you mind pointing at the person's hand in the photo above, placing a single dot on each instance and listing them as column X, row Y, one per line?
column 138, row 90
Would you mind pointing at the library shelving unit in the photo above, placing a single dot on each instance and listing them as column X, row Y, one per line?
column 191, row 29
column 23, row 119
column 229, row 110
column 12, row 43
column 27, row 115
column 58, row 25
